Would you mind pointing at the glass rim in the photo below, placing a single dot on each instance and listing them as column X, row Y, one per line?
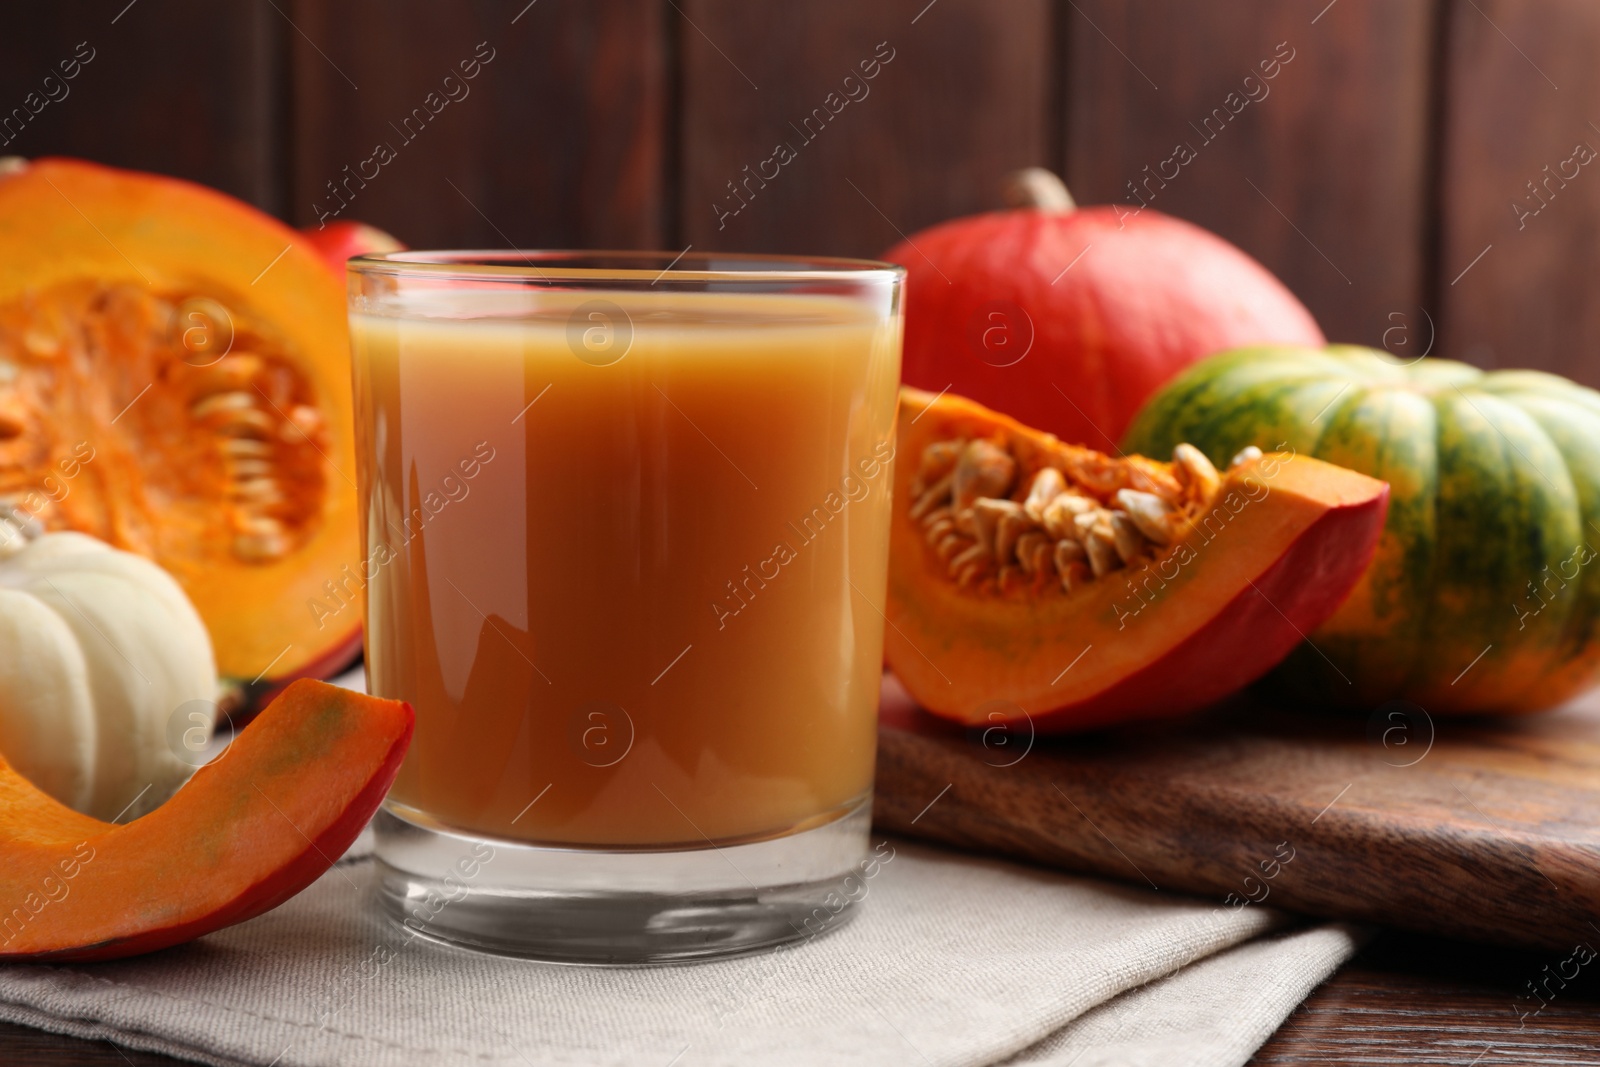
column 600, row 266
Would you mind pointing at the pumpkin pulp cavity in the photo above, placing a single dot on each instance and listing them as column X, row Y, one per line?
column 236, row 423
column 175, row 366
column 1009, row 515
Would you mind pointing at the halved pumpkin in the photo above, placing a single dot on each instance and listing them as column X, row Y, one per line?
column 1033, row 579
column 174, row 379
column 247, row 832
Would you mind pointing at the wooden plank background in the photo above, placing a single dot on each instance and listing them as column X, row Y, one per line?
column 1323, row 173
column 1377, row 172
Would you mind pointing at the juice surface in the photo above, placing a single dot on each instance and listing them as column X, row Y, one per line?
column 632, row 602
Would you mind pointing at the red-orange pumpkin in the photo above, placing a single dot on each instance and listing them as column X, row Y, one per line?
column 338, row 241
column 1067, row 318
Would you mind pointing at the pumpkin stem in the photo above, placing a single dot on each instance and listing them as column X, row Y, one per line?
column 1037, row 188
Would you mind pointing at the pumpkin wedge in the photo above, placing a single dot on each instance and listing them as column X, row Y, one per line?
column 247, row 832
column 1035, row 580
column 175, row 380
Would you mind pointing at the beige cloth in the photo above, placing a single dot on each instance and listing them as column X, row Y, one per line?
column 954, row 960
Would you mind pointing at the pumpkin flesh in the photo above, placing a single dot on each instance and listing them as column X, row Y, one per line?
column 248, row 831
column 1269, row 553
column 174, row 381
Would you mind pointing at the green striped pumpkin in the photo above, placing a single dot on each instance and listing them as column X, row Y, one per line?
column 1485, row 591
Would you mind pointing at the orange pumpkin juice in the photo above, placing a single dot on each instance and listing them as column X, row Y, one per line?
column 634, row 599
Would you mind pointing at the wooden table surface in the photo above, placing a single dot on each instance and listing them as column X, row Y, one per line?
column 1405, row 999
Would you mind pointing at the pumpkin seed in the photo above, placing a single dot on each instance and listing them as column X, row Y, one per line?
column 1125, row 537
column 1196, row 470
column 248, row 420
column 1084, row 523
column 1047, row 485
column 1067, row 552
column 245, row 446
column 1102, row 549
column 1149, row 513
column 222, row 403
column 261, row 539
column 970, row 574
column 250, row 468
column 307, row 420
column 1074, row 576
column 236, row 370
column 257, row 490
column 983, row 469
column 1246, row 454
column 1034, row 551
column 978, row 553
column 938, row 460
column 931, row 498
column 41, row 345
column 994, row 515
column 983, row 523
column 1062, row 512
column 1012, row 525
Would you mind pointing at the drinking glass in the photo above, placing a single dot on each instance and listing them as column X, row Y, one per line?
column 625, row 520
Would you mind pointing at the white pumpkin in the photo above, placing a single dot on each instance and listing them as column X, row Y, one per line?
column 106, row 673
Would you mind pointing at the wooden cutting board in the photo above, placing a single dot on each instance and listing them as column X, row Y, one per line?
column 1485, row 830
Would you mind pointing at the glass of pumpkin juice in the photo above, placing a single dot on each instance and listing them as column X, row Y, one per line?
column 625, row 522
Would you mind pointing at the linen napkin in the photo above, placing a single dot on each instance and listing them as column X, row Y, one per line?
column 953, row 960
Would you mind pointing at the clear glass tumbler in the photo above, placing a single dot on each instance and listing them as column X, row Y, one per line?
column 626, row 531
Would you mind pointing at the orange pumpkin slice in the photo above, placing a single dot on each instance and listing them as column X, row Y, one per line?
column 174, row 379
column 247, row 832
column 1030, row 579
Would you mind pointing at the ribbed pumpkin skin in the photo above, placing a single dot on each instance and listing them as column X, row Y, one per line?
column 1484, row 595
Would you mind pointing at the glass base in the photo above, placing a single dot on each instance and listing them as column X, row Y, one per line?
column 605, row 906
